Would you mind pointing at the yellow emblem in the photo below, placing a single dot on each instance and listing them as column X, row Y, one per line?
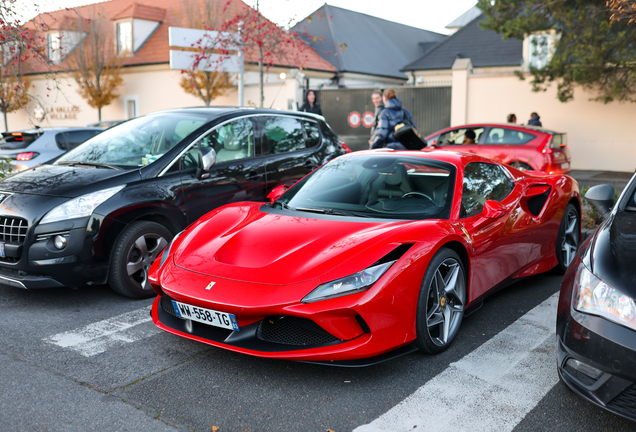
column 210, row 285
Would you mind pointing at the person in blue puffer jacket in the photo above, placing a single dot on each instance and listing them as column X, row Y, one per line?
column 392, row 115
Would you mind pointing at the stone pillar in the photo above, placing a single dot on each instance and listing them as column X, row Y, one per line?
column 459, row 96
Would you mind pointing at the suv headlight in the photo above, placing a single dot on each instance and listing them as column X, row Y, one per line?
column 593, row 296
column 355, row 283
column 81, row 206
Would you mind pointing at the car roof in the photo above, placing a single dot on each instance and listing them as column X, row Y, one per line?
column 55, row 129
column 218, row 111
column 508, row 125
column 453, row 157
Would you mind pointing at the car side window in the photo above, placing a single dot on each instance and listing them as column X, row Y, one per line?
column 507, row 136
column 70, row 140
column 283, row 135
column 458, row 136
column 231, row 141
column 313, row 133
column 482, row 182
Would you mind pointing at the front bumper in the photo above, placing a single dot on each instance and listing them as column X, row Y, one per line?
column 608, row 347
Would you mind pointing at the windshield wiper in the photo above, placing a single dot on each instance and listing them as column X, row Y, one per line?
column 329, row 211
column 282, row 204
column 94, row 164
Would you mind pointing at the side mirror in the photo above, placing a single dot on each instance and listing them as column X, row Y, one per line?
column 207, row 158
column 601, row 197
column 277, row 192
column 493, row 209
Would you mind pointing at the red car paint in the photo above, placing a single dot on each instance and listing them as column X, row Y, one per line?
column 546, row 152
column 265, row 263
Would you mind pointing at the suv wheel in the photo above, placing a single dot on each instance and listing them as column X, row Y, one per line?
column 133, row 254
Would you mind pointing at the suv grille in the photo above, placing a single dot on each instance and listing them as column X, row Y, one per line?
column 291, row 330
column 13, row 230
column 625, row 403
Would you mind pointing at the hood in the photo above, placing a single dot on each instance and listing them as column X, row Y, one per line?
column 241, row 242
column 613, row 253
column 58, row 180
column 394, row 104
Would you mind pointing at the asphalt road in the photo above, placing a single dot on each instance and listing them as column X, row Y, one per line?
column 87, row 359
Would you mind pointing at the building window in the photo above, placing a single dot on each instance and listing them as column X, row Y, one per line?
column 539, row 50
column 54, row 42
column 131, row 106
column 124, row 38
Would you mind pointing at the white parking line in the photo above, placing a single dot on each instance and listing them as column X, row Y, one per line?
column 492, row 388
column 98, row 337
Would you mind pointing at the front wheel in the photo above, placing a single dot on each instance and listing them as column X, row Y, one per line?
column 133, row 254
column 440, row 307
column 568, row 238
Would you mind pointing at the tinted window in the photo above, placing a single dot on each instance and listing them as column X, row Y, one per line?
column 458, row 136
column 482, row 182
column 232, row 141
column 313, row 133
column 376, row 186
column 507, row 136
column 70, row 140
column 283, row 135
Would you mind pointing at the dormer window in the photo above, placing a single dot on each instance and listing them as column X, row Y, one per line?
column 54, row 42
column 61, row 43
column 124, row 37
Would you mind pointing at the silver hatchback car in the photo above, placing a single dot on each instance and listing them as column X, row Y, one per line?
column 28, row 148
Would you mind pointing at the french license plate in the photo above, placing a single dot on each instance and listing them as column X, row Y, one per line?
column 205, row 316
column 565, row 165
column 2, row 253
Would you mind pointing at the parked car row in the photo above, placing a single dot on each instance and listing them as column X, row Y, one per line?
column 258, row 233
column 29, row 148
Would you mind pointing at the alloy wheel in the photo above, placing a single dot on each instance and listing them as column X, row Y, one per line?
column 141, row 256
column 571, row 237
column 446, row 301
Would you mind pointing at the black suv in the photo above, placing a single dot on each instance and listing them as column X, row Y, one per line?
column 104, row 211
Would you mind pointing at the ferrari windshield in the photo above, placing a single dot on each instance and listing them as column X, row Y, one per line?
column 385, row 186
column 137, row 142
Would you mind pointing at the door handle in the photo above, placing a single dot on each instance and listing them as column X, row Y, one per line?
column 253, row 176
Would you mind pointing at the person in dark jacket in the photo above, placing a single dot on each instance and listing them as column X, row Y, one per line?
column 311, row 105
column 392, row 115
column 534, row 120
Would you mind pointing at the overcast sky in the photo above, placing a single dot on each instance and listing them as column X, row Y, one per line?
column 427, row 14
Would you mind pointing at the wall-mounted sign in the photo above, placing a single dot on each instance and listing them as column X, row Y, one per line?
column 63, row 112
column 367, row 119
column 39, row 113
column 354, row 119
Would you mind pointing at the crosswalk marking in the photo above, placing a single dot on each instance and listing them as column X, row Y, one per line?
column 98, row 337
column 492, row 388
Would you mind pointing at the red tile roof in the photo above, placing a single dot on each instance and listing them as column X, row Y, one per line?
column 156, row 50
column 140, row 11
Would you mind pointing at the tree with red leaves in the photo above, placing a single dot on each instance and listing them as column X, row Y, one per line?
column 623, row 9
column 263, row 41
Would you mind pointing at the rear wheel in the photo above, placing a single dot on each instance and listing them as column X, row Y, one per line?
column 568, row 238
column 521, row 166
column 133, row 254
column 440, row 308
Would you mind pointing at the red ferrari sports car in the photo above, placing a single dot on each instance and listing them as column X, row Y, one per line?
column 373, row 255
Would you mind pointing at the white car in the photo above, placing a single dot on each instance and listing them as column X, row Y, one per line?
column 28, row 148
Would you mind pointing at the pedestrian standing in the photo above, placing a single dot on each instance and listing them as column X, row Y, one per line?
column 534, row 120
column 392, row 115
column 512, row 118
column 376, row 98
column 310, row 103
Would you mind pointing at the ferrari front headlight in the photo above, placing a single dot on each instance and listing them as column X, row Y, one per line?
column 593, row 296
column 81, row 206
column 355, row 283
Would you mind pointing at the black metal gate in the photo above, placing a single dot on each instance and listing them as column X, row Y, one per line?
column 429, row 106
